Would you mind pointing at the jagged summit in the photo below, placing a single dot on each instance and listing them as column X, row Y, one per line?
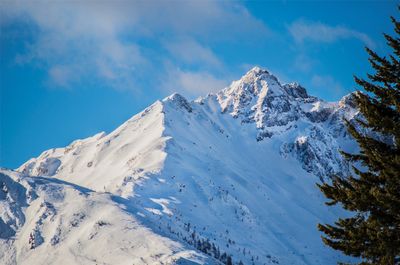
column 179, row 101
column 173, row 96
column 252, row 82
column 253, row 79
column 258, row 97
column 257, row 71
column 258, row 88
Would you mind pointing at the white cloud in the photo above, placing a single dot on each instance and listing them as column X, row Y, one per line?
column 192, row 83
column 108, row 40
column 302, row 30
column 60, row 75
column 190, row 51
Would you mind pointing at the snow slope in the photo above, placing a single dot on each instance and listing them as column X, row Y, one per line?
column 230, row 174
column 69, row 224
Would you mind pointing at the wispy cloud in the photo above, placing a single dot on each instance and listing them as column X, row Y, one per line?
column 193, row 83
column 302, row 30
column 115, row 43
column 191, row 52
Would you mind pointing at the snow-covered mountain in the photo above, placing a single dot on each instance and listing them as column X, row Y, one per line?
column 228, row 176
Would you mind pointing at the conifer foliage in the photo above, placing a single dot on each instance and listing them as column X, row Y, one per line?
column 373, row 193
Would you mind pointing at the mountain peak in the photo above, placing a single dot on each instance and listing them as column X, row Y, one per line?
column 174, row 96
column 257, row 73
column 252, row 84
column 293, row 89
column 179, row 101
column 256, row 89
column 257, row 70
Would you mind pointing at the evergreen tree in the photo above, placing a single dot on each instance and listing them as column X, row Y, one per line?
column 373, row 193
column 229, row 260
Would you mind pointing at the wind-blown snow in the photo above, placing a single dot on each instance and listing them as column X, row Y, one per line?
column 232, row 173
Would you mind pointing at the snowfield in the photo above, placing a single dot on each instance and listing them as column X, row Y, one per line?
column 69, row 224
column 229, row 176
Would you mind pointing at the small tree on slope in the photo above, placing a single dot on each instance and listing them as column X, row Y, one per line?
column 373, row 195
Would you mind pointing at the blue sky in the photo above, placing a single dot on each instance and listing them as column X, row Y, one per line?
column 70, row 69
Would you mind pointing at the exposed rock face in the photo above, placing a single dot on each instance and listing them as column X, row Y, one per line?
column 274, row 108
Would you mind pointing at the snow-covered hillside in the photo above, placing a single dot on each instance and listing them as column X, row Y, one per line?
column 231, row 174
column 56, row 222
